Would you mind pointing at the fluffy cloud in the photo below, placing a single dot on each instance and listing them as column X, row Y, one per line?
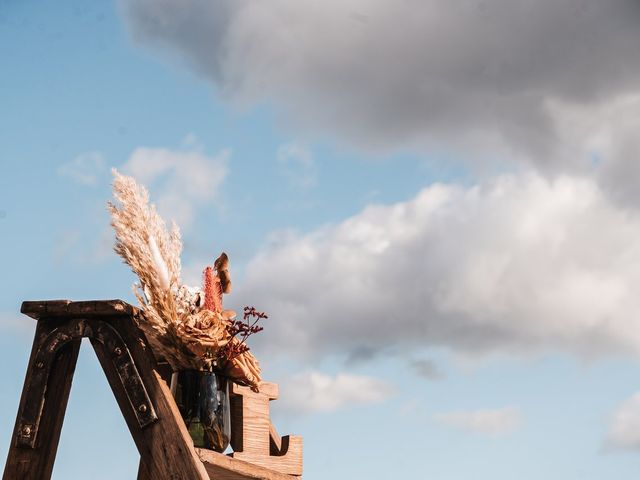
column 492, row 422
column 84, row 169
column 520, row 264
column 187, row 178
column 316, row 392
column 483, row 75
column 624, row 431
column 605, row 132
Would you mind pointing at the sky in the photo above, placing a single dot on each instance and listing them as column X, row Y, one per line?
column 435, row 202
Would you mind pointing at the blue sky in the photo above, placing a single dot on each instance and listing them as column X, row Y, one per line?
column 450, row 278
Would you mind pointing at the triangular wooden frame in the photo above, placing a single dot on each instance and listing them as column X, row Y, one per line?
column 151, row 414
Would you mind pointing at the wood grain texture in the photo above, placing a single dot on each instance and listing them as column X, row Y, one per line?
column 142, row 471
column 223, row 467
column 289, row 463
column 275, row 441
column 68, row 309
column 165, row 447
column 37, row 464
column 250, row 418
column 252, row 432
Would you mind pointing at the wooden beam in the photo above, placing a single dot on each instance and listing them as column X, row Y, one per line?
column 37, row 463
column 165, row 447
column 223, row 467
column 68, row 309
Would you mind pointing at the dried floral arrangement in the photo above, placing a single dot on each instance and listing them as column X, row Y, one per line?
column 187, row 326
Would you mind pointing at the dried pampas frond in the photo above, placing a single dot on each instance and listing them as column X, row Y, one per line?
column 185, row 326
column 153, row 253
column 143, row 242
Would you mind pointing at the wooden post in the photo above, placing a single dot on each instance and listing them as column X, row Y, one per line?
column 27, row 463
column 165, row 447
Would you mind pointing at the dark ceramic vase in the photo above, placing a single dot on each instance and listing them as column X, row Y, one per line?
column 203, row 400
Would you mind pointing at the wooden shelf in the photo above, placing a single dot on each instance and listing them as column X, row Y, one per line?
column 223, row 467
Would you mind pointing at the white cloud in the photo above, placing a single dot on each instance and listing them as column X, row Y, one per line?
column 477, row 75
column 187, row 178
column 624, row 430
column 316, row 392
column 492, row 422
column 297, row 163
column 520, row 264
column 84, row 169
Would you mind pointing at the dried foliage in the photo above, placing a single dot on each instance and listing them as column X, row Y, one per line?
column 241, row 330
column 185, row 326
column 240, row 362
column 143, row 242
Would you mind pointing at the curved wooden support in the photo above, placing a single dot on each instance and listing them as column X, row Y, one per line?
column 37, row 385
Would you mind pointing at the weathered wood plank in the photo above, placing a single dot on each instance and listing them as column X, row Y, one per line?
column 165, row 447
column 290, row 462
column 37, row 464
column 66, row 308
column 223, row 467
column 142, row 472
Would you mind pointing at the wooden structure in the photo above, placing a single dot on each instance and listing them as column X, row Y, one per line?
column 143, row 395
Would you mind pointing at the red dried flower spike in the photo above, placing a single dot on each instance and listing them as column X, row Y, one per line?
column 212, row 291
